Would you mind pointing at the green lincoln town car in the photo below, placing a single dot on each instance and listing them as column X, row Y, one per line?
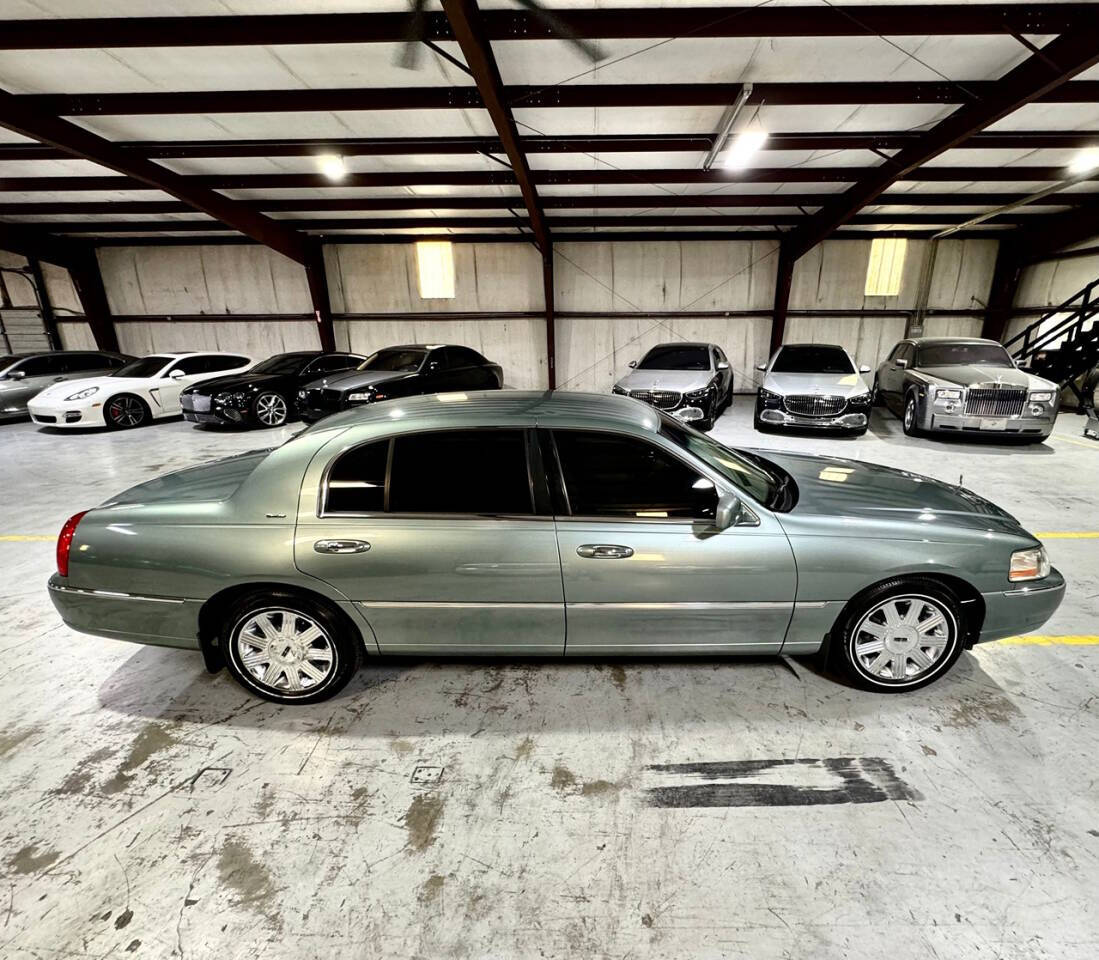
column 564, row 524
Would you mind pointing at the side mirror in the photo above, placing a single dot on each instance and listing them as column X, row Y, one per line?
column 761, row 367
column 17, row 374
column 176, row 374
column 863, row 368
column 900, row 364
column 731, row 512
column 723, row 364
column 633, row 363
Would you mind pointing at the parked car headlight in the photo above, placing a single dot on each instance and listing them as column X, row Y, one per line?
column 699, row 396
column 948, row 394
column 1031, row 564
column 1042, row 397
column 620, row 391
column 859, row 400
column 301, row 394
column 83, row 394
column 769, row 399
column 231, row 399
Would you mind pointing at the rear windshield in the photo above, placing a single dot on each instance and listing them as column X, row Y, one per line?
column 808, row 358
column 675, row 357
column 396, row 360
column 964, row 354
column 145, row 367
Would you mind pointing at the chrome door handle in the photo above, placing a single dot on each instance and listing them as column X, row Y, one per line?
column 603, row 551
column 341, row 546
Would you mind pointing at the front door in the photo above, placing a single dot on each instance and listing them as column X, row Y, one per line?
column 644, row 568
column 436, row 538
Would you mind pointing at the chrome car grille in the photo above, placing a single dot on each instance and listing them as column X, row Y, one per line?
column 815, row 406
column 994, row 402
column 661, row 399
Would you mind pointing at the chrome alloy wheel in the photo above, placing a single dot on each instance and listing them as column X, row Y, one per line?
column 909, row 414
column 285, row 651
column 904, row 638
column 271, row 410
column 125, row 411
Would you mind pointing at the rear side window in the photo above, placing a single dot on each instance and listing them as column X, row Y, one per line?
column 215, row 363
column 607, row 475
column 331, row 364
column 464, row 357
column 42, row 366
column 356, row 483
column 78, row 362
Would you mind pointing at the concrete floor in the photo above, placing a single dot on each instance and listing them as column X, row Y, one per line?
column 504, row 810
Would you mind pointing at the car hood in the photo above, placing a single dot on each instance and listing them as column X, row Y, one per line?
column 830, row 384
column 351, row 379
column 679, row 380
column 217, row 480
column 973, row 374
column 838, row 487
column 234, row 381
column 66, row 388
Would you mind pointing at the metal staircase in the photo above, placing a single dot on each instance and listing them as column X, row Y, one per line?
column 1062, row 345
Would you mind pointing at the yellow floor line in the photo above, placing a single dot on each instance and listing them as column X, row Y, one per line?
column 1068, row 535
column 25, row 538
column 1036, row 640
column 1080, row 442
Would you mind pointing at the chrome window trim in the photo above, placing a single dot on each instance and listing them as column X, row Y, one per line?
column 114, row 595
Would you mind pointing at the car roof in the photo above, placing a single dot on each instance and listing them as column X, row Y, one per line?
column 559, row 408
column 827, row 346
column 936, row 341
column 171, row 354
column 682, row 343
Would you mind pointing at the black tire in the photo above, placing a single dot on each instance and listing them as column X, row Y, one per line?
column 125, row 411
column 271, row 409
column 852, row 642
column 704, row 425
column 911, row 417
column 875, row 395
column 335, row 655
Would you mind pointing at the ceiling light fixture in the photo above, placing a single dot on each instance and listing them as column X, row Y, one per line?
column 1085, row 161
column 744, row 146
column 332, row 166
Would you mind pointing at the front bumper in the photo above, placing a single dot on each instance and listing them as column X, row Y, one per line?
column 203, row 409
column 65, row 415
column 783, row 418
column 1009, row 613
column 160, row 621
column 1015, row 426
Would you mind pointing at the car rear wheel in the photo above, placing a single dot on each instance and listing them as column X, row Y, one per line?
column 911, row 418
column 125, row 412
column 901, row 635
column 271, row 409
column 288, row 649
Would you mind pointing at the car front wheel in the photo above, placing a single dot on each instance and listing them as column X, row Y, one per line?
column 911, row 418
column 271, row 409
column 125, row 412
column 288, row 649
column 901, row 635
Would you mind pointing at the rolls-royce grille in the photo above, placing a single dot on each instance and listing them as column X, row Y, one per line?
column 661, row 399
column 994, row 402
column 814, row 406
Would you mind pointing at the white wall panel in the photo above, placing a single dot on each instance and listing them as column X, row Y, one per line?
column 382, row 278
column 867, row 339
column 20, row 289
column 60, row 290
column 1049, row 284
column 952, row 326
column 76, row 335
column 255, row 338
column 594, row 352
column 202, row 280
column 517, row 344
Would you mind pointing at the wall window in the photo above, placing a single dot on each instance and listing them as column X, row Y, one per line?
column 883, row 272
column 435, row 265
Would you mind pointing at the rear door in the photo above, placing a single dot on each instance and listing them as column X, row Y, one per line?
column 441, row 540
column 645, row 570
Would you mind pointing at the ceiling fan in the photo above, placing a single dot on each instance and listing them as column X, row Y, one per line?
column 416, row 34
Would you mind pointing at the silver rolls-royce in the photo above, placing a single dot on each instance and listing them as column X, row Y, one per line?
column 551, row 524
column 960, row 385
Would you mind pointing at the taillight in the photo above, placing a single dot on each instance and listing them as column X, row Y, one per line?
column 65, row 542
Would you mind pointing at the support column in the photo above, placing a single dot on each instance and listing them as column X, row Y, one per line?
column 783, row 279
column 551, row 320
column 317, row 278
column 86, row 278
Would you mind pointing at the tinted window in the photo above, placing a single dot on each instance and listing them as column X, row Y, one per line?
column 464, row 357
column 460, row 471
column 79, row 362
column 905, row 352
column 748, row 474
column 215, row 363
column 112, row 363
column 282, row 363
column 145, row 367
column 42, row 366
column 673, row 356
column 807, row 358
column 332, row 363
column 406, row 359
column 613, row 476
column 191, row 365
column 962, row 354
column 356, row 483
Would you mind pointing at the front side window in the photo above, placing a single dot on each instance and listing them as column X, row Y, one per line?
column 396, row 360
column 332, row 363
column 807, row 358
column 356, row 483
column 964, row 354
column 608, row 475
column 673, row 356
column 42, row 366
column 747, row 474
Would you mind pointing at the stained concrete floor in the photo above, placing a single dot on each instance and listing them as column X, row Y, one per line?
column 505, row 810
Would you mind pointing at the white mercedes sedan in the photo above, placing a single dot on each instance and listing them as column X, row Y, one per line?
column 813, row 386
column 143, row 390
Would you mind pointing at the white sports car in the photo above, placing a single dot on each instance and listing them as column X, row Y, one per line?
column 143, row 390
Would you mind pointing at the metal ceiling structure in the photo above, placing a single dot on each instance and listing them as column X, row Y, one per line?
column 883, row 118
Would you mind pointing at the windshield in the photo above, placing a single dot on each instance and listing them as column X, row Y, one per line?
column 808, row 358
column 964, row 354
column 145, row 367
column 749, row 475
column 404, row 360
column 283, row 363
column 675, row 357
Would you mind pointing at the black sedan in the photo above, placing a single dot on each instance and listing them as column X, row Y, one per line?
column 400, row 372
column 264, row 395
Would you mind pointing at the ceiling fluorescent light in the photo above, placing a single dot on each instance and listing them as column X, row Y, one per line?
column 435, row 266
column 744, row 146
column 1085, row 161
column 332, row 167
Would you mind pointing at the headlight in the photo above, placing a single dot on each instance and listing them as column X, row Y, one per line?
column 1043, row 397
column 231, row 399
column 859, row 400
column 617, row 389
column 948, row 394
column 301, row 394
column 83, row 394
column 1032, row 564
column 360, row 397
column 696, row 396
column 767, row 398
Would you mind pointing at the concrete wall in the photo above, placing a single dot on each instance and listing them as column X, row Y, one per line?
column 1051, row 283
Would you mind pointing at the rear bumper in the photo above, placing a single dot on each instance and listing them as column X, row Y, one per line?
column 1009, row 613
column 160, row 621
column 845, row 421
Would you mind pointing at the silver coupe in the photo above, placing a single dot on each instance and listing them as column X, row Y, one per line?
column 545, row 524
